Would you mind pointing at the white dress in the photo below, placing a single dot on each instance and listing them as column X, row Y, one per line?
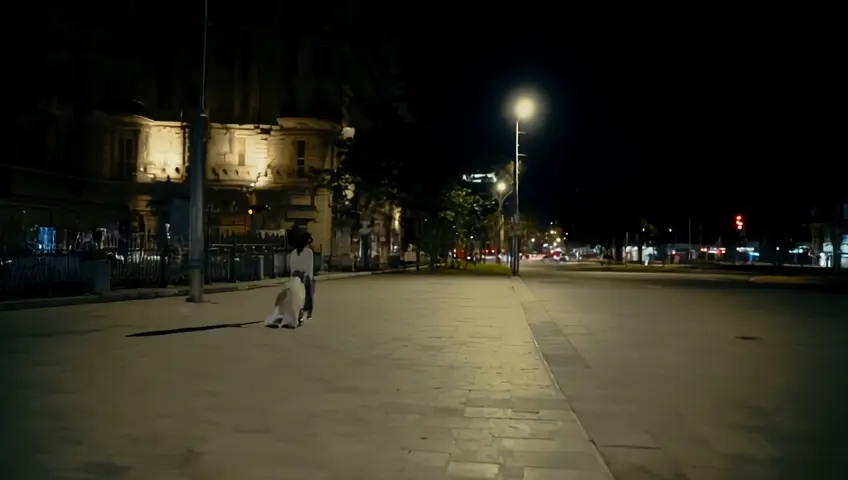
column 288, row 305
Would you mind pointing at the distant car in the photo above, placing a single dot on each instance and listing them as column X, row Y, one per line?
column 555, row 258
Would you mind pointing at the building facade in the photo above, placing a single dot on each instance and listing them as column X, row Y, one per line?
column 113, row 136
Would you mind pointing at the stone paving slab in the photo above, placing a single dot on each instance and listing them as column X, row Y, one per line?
column 398, row 377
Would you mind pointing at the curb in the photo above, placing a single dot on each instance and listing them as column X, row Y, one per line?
column 785, row 280
column 151, row 294
column 526, row 295
column 655, row 269
column 812, row 284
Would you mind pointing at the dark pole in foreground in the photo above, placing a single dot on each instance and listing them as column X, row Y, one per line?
column 197, row 177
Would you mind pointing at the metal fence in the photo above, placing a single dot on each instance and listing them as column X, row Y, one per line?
column 138, row 263
column 36, row 276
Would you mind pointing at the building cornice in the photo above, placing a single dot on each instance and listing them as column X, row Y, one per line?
column 306, row 123
column 136, row 119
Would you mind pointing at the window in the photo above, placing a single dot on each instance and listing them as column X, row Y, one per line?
column 300, row 157
column 127, row 157
column 241, row 149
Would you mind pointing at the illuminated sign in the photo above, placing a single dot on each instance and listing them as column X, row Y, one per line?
column 480, row 178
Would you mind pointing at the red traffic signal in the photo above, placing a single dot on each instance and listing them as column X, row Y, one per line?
column 739, row 222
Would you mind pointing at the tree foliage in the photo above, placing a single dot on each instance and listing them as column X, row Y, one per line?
column 647, row 227
column 370, row 166
column 396, row 161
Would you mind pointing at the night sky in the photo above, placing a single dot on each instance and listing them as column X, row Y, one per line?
column 639, row 115
column 656, row 114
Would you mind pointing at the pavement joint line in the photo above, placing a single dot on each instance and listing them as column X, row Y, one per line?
column 526, row 293
column 168, row 292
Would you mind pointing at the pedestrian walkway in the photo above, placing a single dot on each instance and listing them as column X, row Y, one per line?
column 172, row 291
column 398, row 377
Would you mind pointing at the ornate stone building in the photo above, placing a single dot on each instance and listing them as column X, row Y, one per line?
column 112, row 132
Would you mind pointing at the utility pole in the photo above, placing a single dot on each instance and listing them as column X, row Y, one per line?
column 197, row 181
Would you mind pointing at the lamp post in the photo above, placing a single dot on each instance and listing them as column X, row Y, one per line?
column 197, row 180
column 523, row 109
column 501, row 193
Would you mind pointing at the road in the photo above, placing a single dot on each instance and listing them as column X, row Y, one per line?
column 698, row 376
column 398, row 377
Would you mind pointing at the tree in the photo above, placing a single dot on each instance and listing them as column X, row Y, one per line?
column 370, row 162
column 390, row 162
column 469, row 211
column 458, row 215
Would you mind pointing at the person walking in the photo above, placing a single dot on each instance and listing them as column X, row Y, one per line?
column 302, row 265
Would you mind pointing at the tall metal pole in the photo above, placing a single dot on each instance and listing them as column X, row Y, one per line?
column 501, row 198
column 197, row 178
column 689, row 255
column 516, row 220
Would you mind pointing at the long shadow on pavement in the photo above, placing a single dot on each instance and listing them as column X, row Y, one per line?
column 203, row 328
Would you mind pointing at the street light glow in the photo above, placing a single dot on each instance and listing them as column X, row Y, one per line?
column 501, row 187
column 524, row 108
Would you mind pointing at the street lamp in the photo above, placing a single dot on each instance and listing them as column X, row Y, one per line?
column 523, row 109
column 502, row 191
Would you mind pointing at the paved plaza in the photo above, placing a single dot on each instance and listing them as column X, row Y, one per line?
column 398, row 377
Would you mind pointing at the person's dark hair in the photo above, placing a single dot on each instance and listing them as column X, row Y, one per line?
column 301, row 240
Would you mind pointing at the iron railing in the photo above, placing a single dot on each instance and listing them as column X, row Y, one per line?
column 137, row 263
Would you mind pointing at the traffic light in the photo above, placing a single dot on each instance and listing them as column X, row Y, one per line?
column 257, row 208
column 739, row 222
